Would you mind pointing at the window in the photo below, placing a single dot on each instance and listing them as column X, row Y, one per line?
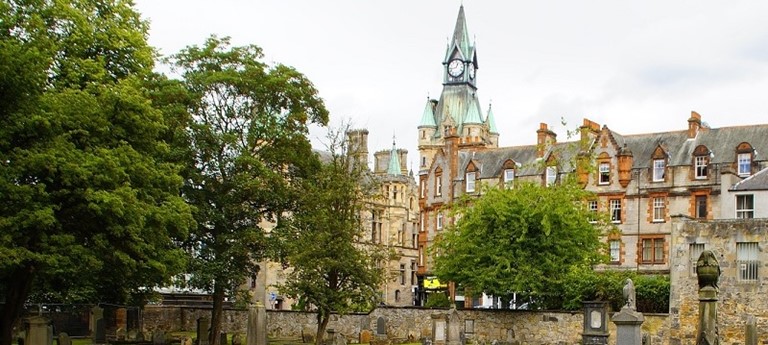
column 423, row 161
column 421, row 255
column 592, row 205
column 746, row 257
column 658, row 170
column 694, row 251
column 402, row 274
column 470, row 180
column 615, row 205
column 397, row 295
column 509, row 177
column 422, row 221
column 413, row 273
column 551, row 175
column 745, row 164
column 745, row 206
column 701, row 206
column 375, row 226
column 653, row 250
column 615, row 247
column 439, row 220
column 604, row 173
column 659, row 209
column 700, row 165
column 438, row 185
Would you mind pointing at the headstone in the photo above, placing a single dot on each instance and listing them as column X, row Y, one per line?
column 454, row 328
column 186, row 341
column 331, row 335
column 158, row 338
column 237, row 339
column 131, row 335
column 595, row 323
column 628, row 326
column 365, row 336
column 203, row 325
column 223, row 338
column 438, row 329
column 381, row 326
column 257, row 325
column 121, row 318
column 307, row 335
column 38, row 331
column 750, row 336
column 98, row 328
column 64, row 339
column 120, row 334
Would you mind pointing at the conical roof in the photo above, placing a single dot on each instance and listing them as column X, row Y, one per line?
column 473, row 114
column 394, row 161
column 428, row 117
column 489, row 120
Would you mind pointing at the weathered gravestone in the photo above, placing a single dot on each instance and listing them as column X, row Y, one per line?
column 438, row 329
column 158, row 338
column 365, row 336
column 131, row 335
column 203, row 325
column 381, row 327
column 237, row 339
column 120, row 334
column 98, row 327
column 38, row 332
column 64, row 339
column 454, row 328
column 223, row 338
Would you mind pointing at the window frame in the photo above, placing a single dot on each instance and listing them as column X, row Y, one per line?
column 659, row 209
column 659, row 167
column 617, row 258
column 592, row 206
column 438, row 185
column 748, row 261
column 744, row 160
column 655, row 249
column 550, row 175
column 615, row 209
column 509, row 181
column 700, row 167
column 470, row 179
column 697, row 206
column 604, row 173
column 741, row 206
column 439, row 220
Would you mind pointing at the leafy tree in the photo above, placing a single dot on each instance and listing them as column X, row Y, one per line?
column 91, row 204
column 247, row 143
column 525, row 239
column 331, row 269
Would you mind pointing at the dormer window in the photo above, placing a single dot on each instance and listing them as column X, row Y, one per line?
column 550, row 175
column 509, row 177
column 701, row 162
column 744, row 159
column 659, row 167
column 470, row 180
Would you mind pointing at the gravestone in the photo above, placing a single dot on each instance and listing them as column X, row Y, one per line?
column 237, row 339
column 595, row 323
column 64, row 339
column 454, row 328
column 186, row 341
column 120, row 334
column 203, row 325
column 223, row 338
column 38, row 332
column 98, row 328
column 158, row 338
column 381, row 327
column 132, row 335
column 257, row 325
column 438, row 329
column 121, row 318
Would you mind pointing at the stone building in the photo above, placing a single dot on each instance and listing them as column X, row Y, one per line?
column 640, row 180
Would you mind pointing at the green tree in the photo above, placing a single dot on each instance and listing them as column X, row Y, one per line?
column 524, row 239
column 331, row 269
column 91, row 205
column 248, row 141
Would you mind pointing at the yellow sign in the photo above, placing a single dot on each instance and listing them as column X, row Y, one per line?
column 433, row 283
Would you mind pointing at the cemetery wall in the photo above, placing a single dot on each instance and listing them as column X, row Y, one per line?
column 743, row 285
column 410, row 324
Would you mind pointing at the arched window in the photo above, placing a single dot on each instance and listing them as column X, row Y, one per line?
column 701, row 162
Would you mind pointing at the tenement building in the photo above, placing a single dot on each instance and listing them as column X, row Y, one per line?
column 641, row 180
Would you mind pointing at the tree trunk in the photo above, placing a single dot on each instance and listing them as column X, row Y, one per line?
column 322, row 322
column 218, row 301
column 19, row 284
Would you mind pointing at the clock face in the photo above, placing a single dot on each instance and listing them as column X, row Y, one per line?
column 471, row 71
column 455, row 68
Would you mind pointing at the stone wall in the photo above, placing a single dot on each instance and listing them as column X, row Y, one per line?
column 411, row 324
column 738, row 298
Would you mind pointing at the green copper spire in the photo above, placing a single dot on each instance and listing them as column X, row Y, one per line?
column 473, row 114
column 491, row 122
column 428, row 118
column 460, row 37
column 394, row 161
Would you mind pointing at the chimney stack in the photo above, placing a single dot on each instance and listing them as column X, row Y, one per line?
column 544, row 139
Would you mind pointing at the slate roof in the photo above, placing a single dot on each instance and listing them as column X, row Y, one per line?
column 491, row 161
column 757, row 181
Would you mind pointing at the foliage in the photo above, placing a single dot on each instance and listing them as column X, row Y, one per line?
column 524, row 239
column 437, row 300
column 247, row 142
column 91, row 204
column 331, row 269
column 589, row 285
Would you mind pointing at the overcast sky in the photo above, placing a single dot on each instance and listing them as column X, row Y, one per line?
column 636, row 66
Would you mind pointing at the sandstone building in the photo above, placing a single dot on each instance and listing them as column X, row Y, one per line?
column 641, row 180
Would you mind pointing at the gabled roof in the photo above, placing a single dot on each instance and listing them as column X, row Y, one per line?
column 491, row 161
column 757, row 181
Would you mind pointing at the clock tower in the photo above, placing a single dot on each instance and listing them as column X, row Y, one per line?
column 457, row 111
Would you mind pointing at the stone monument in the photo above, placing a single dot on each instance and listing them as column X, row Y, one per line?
column 707, row 273
column 256, row 330
column 628, row 321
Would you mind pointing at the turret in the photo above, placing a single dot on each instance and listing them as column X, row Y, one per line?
column 493, row 132
column 357, row 147
column 428, row 125
column 625, row 166
column 473, row 128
